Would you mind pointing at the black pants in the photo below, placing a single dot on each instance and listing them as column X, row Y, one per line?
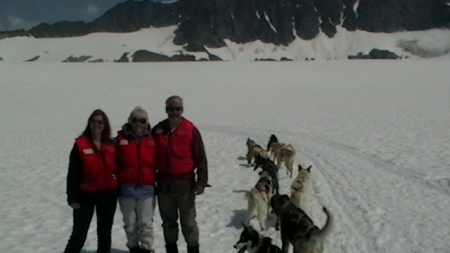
column 104, row 207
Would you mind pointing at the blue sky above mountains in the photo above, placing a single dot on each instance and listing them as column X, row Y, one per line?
column 24, row 14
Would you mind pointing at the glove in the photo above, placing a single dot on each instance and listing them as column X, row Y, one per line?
column 75, row 206
column 199, row 189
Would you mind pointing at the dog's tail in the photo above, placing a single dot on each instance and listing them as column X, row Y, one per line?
column 327, row 228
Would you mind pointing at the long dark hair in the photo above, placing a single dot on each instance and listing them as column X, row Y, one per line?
column 106, row 134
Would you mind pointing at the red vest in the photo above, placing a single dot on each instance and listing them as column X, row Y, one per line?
column 136, row 162
column 175, row 150
column 98, row 166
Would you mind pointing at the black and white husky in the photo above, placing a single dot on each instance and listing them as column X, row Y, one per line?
column 270, row 167
column 253, row 242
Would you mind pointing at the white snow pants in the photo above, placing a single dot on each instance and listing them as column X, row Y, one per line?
column 138, row 221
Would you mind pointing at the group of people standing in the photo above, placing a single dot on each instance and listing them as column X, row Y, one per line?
column 165, row 164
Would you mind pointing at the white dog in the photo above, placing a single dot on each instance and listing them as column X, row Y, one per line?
column 259, row 200
column 285, row 153
column 302, row 190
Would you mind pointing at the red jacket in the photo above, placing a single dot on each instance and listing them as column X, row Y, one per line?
column 135, row 160
column 98, row 166
column 175, row 150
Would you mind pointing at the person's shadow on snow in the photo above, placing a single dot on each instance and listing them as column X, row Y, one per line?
column 239, row 216
column 112, row 251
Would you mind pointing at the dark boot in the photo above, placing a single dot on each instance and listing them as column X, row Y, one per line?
column 193, row 249
column 135, row 250
column 171, row 248
column 146, row 251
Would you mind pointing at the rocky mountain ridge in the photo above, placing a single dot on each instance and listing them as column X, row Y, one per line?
column 205, row 24
column 209, row 22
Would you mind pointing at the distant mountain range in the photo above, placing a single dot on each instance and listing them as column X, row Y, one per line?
column 209, row 23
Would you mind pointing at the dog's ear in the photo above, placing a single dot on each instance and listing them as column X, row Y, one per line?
column 309, row 168
column 252, row 230
column 273, row 197
column 266, row 241
column 300, row 167
column 285, row 196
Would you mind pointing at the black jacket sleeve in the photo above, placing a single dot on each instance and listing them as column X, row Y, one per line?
column 74, row 176
column 200, row 159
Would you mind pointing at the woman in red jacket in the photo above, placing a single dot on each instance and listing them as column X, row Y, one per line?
column 91, row 184
column 136, row 176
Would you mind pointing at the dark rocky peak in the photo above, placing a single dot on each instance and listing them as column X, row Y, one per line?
column 209, row 22
column 60, row 29
column 124, row 17
column 134, row 15
column 402, row 15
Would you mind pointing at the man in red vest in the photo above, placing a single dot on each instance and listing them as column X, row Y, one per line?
column 182, row 170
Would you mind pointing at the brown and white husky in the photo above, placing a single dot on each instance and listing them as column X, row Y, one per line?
column 285, row 154
column 259, row 200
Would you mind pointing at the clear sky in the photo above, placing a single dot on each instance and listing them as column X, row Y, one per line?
column 18, row 14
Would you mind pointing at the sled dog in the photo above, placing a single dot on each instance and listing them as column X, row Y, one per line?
column 316, row 238
column 297, row 228
column 285, row 154
column 259, row 200
column 302, row 190
column 271, row 168
column 253, row 150
column 253, row 242
column 272, row 146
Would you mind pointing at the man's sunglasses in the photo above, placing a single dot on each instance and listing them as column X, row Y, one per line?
column 174, row 109
column 142, row 121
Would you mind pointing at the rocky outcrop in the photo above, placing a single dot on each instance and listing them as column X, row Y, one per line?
column 123, row 58
column 97, row 60
column 376, row 54
column 213, row 57
column 82, row 58
column 33, row 59
column 146, row 56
